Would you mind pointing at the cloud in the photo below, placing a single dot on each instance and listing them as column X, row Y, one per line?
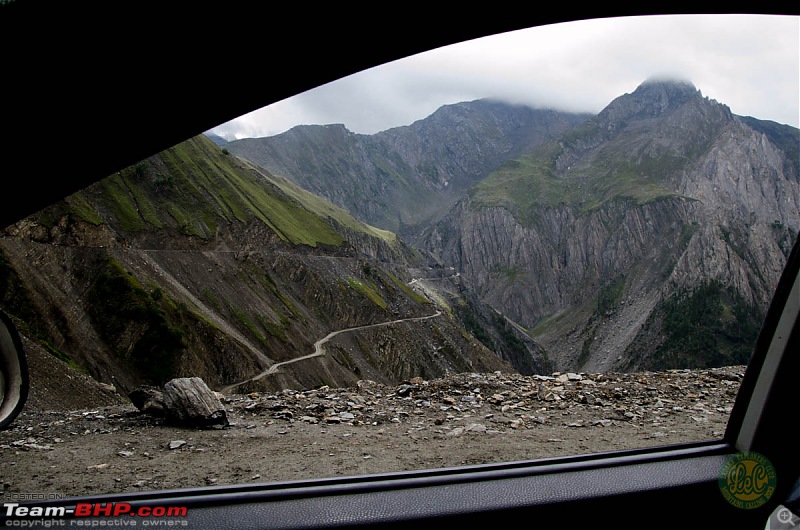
column 748, row 62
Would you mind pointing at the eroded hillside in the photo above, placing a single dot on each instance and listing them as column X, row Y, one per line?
column 195, row 263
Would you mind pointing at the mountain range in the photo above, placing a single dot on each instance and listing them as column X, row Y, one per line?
column 485, row 237
column 582, row 228
column 404, row 179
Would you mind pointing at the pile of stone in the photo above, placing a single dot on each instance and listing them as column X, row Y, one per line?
column 508, row 400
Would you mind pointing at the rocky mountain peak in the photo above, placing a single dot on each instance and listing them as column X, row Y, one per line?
column 329, row 131
column 661, row 118
column 653, row 98
column 670, row 86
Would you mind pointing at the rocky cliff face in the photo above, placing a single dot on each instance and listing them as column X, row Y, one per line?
column 193, row 263
column 405, row 178
column 586, row 238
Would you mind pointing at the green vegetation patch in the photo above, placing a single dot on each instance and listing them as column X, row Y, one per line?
column 367, row 291
column 524, row 186
column 211, row 298
column 246, row 197
column 325, row 209
column 510, row 338
column 277, row 330
column 510, row 274
column 194, row 187
column 625, row 181
column 122, row 204
column 610, row 295
column 132, row 179
column 476, row 328
column 414, row 295
column 707, row 326
column 83, row 209
column 531, row 183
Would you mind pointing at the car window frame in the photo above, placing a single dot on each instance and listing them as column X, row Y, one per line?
column 665, row 481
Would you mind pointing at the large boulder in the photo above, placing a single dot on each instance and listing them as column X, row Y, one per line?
column 186, row 401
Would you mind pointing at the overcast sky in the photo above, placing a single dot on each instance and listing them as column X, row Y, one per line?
column 750, row 63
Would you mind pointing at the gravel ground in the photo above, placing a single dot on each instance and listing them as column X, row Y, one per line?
column 462, row 419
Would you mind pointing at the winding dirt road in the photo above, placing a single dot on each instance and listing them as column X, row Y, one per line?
column 319, row 349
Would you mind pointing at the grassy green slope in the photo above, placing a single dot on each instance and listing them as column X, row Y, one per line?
column 195, row 186
column 531, row 182
column 323, row 208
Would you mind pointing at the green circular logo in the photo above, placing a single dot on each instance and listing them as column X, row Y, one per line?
column 747, row 480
